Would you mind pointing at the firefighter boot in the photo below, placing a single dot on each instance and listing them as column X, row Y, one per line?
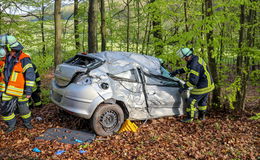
column 28, row 125
column 188, row 118
column 202, row 115
column 11, row 128
column 11, row 125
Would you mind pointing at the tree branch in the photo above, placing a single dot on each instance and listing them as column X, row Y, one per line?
column 28, row 13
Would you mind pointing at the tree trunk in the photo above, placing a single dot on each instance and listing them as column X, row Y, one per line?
column 239, row 94
column 138, row 26
column 254, row 64
column 202, row 26
column 84, row 29
column 148, row 37
column 157, row 31
column 92, row 26
column 222, row 34
column 42, row 29
column 103, row 25
column 250, row 44
column 147, row 26
column 128, row 25
column 76, row 25
column 185, row 15
column 57, row 19
column 110, row 4
column 241, row 39
column 212, row 61
column 221, row 44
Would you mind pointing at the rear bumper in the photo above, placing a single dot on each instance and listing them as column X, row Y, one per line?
column 75, row 99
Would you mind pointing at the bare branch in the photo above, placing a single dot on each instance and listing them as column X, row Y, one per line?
column 67, row 23
column 28, row 13
column 4, row 7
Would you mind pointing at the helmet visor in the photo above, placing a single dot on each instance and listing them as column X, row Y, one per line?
column 179, row 53
column 2, row 52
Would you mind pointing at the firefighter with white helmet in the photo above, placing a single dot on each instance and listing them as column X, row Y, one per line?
column 199, row 82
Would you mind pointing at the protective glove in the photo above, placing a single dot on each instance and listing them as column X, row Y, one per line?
column 174, row 73
column 181, row 90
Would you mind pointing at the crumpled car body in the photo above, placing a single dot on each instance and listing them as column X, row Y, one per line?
column 132, row 82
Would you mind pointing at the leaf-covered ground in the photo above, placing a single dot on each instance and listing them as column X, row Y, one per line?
column 222, row 136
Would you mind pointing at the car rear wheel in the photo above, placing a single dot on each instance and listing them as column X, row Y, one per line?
column 107, row 119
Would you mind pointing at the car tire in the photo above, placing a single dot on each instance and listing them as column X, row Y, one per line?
column 107, row 119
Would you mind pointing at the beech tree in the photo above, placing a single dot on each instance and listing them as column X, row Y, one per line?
column 92, row 26
column 58, row 28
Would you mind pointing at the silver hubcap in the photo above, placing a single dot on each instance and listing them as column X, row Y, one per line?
column 109, row 120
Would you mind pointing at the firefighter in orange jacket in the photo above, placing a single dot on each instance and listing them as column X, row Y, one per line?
column 16, row 82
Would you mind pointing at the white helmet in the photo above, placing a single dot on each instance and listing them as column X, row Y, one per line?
column 2, row 52
column 10, row 42
column 184, row 52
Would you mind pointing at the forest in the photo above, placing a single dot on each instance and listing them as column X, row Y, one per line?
column 225, row 33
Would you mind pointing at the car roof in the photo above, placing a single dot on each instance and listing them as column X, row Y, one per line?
column 117, row 62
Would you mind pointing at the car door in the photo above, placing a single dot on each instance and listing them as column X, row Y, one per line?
column 163, row 98
column 127, row 88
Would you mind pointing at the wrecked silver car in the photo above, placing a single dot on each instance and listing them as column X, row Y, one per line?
column 109, row 87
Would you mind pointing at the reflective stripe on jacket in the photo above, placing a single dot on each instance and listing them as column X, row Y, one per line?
column 17, row 80
column 1, row 70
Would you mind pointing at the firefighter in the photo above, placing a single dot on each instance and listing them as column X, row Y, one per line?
column 17, row 81
column 35, row 100
column 2, row 55
column 199, row 82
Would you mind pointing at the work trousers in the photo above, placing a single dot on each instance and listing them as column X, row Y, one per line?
column 8, row 114
column 197, row 102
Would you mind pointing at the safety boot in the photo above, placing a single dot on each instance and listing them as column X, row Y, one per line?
column 188, row 118
column 28, row 125
column 10, row 129
column 202, row 115
column 10, row 125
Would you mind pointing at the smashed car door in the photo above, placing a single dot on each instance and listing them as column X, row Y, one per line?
column 127, row 87
column 163, row 98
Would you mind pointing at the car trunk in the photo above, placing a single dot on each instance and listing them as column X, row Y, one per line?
column 67, row 71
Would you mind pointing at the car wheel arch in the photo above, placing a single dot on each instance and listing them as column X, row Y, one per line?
column 118, row 102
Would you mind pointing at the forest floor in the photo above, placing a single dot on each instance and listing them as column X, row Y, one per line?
column 222, row 136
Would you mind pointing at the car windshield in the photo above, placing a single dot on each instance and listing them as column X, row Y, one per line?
column 83, row 61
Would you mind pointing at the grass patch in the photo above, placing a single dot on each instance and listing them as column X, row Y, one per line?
column 256, row 117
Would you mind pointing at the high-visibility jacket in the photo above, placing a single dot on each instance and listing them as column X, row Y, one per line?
column 1, row 70
column 17, row 81
column 198, row 76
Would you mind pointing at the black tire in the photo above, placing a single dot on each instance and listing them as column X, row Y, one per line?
column 107, row 119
